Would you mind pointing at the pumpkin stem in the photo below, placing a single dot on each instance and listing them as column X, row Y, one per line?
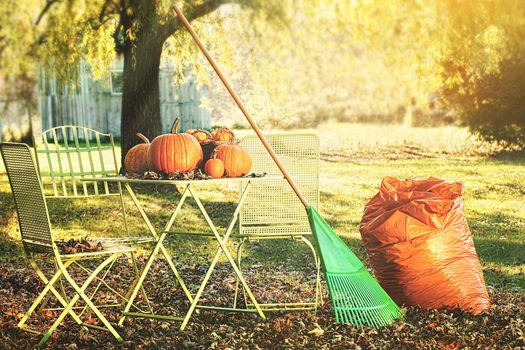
column 175, row 126
column 143, row 138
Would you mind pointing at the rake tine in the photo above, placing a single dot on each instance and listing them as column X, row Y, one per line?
column 358, row 301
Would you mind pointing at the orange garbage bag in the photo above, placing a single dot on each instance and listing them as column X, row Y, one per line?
column 420, row 246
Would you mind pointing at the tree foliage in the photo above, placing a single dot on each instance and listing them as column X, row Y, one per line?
column 482, row 66
column 17, row 46
column 66, row 32
column 334, row 58
column 294, row 63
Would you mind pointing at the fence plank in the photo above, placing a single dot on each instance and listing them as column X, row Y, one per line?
column 94, row 105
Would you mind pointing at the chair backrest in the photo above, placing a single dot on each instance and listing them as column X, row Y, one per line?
column 33, row 217
column 65, row 154
column 271, row 207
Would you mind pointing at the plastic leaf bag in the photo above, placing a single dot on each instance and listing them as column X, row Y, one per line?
column 420, row 246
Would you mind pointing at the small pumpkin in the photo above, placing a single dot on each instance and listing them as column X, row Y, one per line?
column 136, row 161
column 174, row 153
column 214, row 168
column 223, row 135
column 202, row 136
column 237, row 162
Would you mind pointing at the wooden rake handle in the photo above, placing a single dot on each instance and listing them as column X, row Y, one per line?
column 240, row 105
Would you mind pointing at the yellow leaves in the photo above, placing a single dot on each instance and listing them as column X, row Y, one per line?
column 99, row 49
column 493, row 42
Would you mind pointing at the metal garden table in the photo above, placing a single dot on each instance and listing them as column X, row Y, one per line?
column 158, row 239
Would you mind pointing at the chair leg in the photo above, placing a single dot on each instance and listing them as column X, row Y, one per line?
column 64, row 295
column 318, row 300
column 239, row 259
column 100, row 282
column 318, row 293
column 48, row 288
column 142, row 290
column 44, row 302
column 80, row 293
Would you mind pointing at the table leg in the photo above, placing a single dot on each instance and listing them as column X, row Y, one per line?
column 141, row 211
column 142, row 277
column 158, row 247
column 222, row 249
column 165, row 253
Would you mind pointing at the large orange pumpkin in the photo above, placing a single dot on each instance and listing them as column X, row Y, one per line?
column 237, row 162
column 174, row 153
column 222, row 135
column 136, row 161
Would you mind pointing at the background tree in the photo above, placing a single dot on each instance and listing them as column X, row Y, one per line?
column 482, row 66
column 294, row 63
column 17, row 42
column 349, row 60
column 65, row 32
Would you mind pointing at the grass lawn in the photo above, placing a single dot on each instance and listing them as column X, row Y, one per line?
column 354, row 160
column 351, row 172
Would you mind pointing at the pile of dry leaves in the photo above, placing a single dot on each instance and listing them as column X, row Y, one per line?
column 82, row 245
column 501, row 328
column 192, row 175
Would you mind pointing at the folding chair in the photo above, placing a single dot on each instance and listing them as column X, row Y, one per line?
column 35, row 229
column 65, row 154
column 272, row 210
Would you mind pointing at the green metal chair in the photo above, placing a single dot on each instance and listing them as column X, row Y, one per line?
column 38, row 243
column 272, row 210
column 65, row 154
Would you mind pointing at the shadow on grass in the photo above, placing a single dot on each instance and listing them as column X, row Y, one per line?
column 500, row 252
column 510, row 156
column 496, row 225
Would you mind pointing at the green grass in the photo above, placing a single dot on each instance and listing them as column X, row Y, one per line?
column 351, row 173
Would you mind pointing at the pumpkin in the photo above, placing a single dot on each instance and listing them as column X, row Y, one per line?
column 174, row 153
column 222, row 135
column 237, row 162
column 202, row 136
column 214, row 168
column 136, row 161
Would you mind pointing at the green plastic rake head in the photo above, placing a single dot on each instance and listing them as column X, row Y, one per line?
column 356, row 295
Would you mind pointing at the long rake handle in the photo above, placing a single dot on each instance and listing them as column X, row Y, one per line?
column 240, row 105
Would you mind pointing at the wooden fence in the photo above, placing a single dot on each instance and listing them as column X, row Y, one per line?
column 97, row 105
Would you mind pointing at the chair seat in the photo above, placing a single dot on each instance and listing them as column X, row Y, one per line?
column 131, row 240
column 107, row 246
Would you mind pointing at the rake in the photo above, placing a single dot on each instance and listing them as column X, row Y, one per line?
column 356, row 295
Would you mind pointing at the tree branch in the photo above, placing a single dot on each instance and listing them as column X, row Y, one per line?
column 102, row 13
column 173, row 24
column 46, row 8
column 123, row 23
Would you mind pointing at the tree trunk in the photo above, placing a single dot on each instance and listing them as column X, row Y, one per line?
column 140, row 91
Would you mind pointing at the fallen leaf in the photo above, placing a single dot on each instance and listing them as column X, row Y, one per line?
column 317, row 331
